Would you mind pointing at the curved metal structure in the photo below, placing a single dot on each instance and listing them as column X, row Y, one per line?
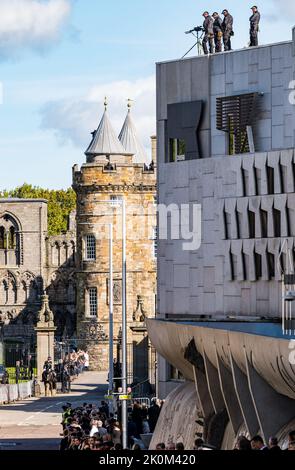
column 241, row 370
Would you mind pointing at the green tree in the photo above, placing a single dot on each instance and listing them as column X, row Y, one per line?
column 60, row 203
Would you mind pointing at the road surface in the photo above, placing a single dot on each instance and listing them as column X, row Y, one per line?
column 34, row 424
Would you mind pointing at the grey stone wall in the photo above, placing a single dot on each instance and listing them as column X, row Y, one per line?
column 37, row 263
column 22, row 278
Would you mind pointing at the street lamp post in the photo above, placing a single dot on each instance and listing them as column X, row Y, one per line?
column 124, row 329
column 120, row 202
column 111, row 316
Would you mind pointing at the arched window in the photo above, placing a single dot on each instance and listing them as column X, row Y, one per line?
column 23, row 293
column 3, row 293
column 71, row 254
column 9, row 241
column 2, row 238
column 56, row 254
column 12, row 239
column 12, row 293
column 63, row 253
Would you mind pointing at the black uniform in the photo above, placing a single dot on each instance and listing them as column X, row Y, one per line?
column 208, row 36
column 218, row 33
column 254, row 28
column 227, row 27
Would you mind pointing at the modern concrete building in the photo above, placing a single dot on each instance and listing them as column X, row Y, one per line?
column 116, row 168
column 226, row 139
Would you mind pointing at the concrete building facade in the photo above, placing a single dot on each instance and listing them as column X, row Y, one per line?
column 226, row 142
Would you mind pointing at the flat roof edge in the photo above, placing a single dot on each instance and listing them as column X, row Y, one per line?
column 14, row 200
column 243, row 49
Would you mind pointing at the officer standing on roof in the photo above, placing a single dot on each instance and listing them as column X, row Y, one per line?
column 227, row 26
column 254, row 26
column 209, row 34
column 217, row 29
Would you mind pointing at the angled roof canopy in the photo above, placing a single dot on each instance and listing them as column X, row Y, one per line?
column 130, row 141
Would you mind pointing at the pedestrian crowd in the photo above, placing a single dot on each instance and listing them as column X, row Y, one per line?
column 95, row 428
column 65, row 371
column 242, row 443
column 257, row 443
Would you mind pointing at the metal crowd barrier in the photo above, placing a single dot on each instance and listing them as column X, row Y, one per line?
column 11, row 393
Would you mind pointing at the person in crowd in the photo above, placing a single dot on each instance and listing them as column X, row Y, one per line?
column 227, row 28
column 179, row 446
column 137, row 418
column 208, row 34
column 160, row 446
column 217, row 30
column 199, row 443
column 116, row 433
column 153, row 414
column 243, row 443
column 257, row 443
column 86, row 361
column 273, row 444
column 254, row 26
column 144, row 419
column 171, row 446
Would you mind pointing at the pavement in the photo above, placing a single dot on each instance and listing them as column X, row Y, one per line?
column 34, row 424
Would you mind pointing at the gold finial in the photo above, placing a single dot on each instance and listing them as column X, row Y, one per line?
column 129, row 103
column 105, row 103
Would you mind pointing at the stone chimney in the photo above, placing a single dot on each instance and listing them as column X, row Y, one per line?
column 154, row 148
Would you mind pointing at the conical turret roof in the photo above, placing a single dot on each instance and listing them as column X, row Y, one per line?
column 130, row 141
column 105, row 141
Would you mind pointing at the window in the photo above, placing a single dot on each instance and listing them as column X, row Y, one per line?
column 277, row 222
column 258, row 265
column 251, row 217
column 264, row 223
column 93, row 301
column 2, row 238
column 155, row 242
column 235, row 115
column 270, row 174
column 90, row 248
column 177, row 149
column 271, row 265
column 116, row 199
column 10, row 241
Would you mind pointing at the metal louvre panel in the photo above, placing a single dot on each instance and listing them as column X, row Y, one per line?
column 234, row 114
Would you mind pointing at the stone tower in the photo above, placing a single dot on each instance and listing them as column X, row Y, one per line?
column 116, row 168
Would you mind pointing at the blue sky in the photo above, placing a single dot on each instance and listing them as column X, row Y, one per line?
column 58, row 59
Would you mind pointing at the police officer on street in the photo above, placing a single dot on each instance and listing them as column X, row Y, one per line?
column 217, row 29
column 227, row 27
column 209, row 34
column 254, row 26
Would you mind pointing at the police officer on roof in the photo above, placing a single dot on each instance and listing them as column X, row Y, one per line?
column 254, row 26
column 227, row 27
column 209, row 34
column 217, row 29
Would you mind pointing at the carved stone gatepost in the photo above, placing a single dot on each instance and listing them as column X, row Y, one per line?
column 45, row 335
column 140, row 343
